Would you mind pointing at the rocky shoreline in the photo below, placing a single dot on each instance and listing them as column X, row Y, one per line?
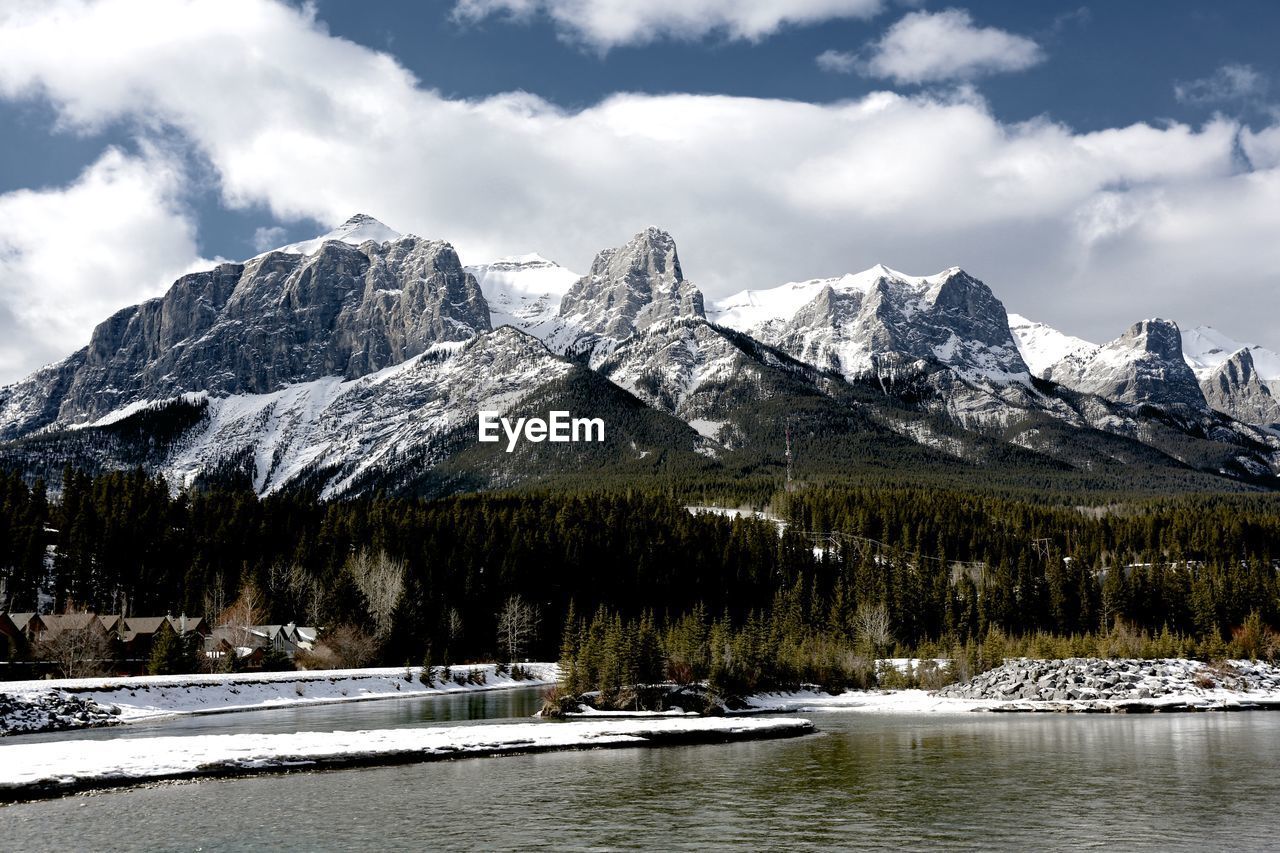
column 1125, row 685
column 51, row 712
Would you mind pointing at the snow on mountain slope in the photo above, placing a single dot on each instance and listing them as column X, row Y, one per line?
column 1144, row 365
column 880, row 319
column 523, row 291
column 750, row 310
column 352, row 427
column 354, row 231
column 628, row 289
column 689, row 368
column 1234, row 388
column 1043, row 346
column 1206, row 349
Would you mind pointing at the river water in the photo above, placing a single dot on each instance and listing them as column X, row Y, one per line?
column 867, row 781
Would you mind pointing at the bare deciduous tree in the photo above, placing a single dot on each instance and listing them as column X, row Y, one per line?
column 872, row 625
column 517, row 627
column 76, row 652
column 309, row 592
column 243, row 613
column 343, row 647
column 380, row 580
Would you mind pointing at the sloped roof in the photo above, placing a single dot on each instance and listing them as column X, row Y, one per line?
column 135, row 625
column 70, row 622
column 23, row 620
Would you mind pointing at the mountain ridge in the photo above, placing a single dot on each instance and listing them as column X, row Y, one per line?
column 349, row 359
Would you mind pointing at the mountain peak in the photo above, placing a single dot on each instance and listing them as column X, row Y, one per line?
column 356, row 230
column 629, row 288
column 1143, row 365
column 1156, row 336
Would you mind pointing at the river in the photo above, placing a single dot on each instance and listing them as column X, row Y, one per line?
column 867, row 781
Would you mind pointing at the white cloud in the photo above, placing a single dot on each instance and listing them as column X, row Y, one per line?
column 928, row 47
column 605, row 24
column 837, row 61
column 1087, row 230
column 71, row 256
column 268, row 237
column 1232, row 83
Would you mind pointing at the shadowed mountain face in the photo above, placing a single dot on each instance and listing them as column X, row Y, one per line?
column 358, row 361
column 1144, row 365
column 1235, row 389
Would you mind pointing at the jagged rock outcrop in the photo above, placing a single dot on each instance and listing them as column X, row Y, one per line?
column 33, row 403
column 277, row 319
column 702, row 374
column 1142, row 366
column 628, row 289
column 880, row 321
column 1235, row 389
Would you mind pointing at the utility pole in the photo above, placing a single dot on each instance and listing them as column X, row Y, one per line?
column 790, row 486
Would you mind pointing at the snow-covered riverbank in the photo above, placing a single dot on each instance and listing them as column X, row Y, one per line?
column 43, row 704
column 1082, row 685
column 30, row 771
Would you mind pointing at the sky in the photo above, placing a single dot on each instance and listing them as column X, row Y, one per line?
column 1095, row 164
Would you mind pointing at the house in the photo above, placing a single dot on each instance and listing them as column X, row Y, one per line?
column 303, row 637
column 137, row 636
column 247, row 646
column 13, row 642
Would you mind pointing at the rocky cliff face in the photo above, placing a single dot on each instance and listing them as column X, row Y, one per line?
column 278, row 319
column 343, row 431
column 629, row 289
column 702, row 374
column 1235, row 389
column 881, row 320
column 361, row 354
column 1144, row 365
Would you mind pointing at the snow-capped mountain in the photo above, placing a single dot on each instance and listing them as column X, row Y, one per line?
column 628, row 289
column 1144, row 365
column 1234, row 388
column 347, row 429
column 698, row 372
column 275, row 320
column 355, row 231
column 1206, row 349
column 524, row 291
column 358, row 361
column 1043, row 346
column 880, row 320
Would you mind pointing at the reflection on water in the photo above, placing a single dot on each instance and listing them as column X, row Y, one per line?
column 978, row 781
column 473, row 706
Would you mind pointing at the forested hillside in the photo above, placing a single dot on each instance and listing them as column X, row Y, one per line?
column 429, row 577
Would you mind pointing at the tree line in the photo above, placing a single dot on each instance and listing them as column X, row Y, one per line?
column 430, row 579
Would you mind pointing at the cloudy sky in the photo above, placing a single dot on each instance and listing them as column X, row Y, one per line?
column 1095, row 164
